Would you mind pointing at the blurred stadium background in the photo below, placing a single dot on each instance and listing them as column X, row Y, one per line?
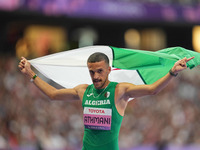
column 34, row 28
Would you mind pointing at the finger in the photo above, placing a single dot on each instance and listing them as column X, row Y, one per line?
column 23, row 61
column 23, row 57
column 189, row 59
column 20, row 67
column 21, row 64
column 183, row 64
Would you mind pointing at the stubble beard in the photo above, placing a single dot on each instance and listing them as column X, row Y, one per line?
column 102, row 85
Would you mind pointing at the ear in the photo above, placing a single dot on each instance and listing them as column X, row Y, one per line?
column 109, row 69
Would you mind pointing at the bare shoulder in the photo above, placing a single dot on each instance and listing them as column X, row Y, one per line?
column 121, row 89
column 80, row 89
column 121, row 96
column 124, row 85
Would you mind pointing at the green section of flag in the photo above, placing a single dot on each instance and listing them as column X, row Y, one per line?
column 152, row 65
column 181, row 53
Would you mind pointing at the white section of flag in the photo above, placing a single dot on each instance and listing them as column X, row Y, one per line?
column 69, row 68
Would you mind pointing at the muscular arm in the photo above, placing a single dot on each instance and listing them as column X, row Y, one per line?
column 57, row 94
column 53, row 93
column 132, row 91
column 125, row 91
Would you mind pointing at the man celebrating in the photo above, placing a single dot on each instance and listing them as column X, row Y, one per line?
column 103, row 102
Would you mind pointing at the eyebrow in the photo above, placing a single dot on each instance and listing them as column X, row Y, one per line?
column 96, row 70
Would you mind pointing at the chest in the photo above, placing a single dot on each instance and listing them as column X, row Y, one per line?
column 98, row 109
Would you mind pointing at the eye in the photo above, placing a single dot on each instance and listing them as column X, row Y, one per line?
column 91, row 72
column 100, row 71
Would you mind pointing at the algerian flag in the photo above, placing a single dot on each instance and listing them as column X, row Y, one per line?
column 69, row 68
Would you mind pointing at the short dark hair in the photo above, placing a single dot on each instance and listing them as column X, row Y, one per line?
column 97, row 57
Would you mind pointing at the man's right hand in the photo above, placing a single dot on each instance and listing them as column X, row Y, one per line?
column 25, row 68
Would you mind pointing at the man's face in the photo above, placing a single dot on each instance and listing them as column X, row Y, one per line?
column 99, row 72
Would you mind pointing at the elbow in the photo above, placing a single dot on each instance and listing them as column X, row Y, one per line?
column 52, row 96
column 153, row 91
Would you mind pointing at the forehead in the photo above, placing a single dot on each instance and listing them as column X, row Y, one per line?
column 97, row 65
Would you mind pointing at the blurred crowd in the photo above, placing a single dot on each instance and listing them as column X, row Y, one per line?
column 29, row 120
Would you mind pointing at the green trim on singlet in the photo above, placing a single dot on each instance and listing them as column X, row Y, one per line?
column 102, row 139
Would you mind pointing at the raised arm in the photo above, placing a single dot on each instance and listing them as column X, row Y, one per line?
column 53, row 93
column 141, row 90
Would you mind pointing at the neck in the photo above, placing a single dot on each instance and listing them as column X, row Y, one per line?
column 105, row 84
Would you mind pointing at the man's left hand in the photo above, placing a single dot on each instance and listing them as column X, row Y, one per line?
column 180, row 65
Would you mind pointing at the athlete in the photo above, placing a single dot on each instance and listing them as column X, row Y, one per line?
column 103, row 102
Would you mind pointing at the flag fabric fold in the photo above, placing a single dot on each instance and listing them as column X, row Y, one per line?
column 69, row 68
